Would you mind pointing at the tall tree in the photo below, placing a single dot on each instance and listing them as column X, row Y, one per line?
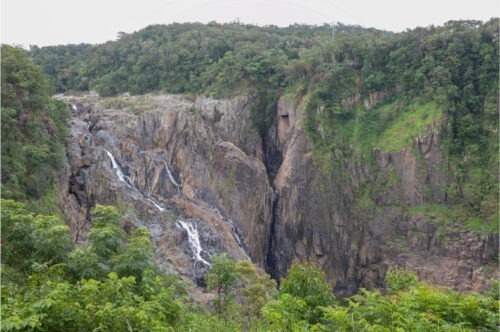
column 222, row 277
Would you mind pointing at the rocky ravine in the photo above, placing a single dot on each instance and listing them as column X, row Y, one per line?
column 196, row 173
column 186, row 170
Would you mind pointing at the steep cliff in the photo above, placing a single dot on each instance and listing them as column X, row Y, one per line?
column 196, row 173
column 359, row 216
column 187, row 170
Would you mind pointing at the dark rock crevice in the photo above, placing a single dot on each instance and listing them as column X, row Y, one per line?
column 271, row 255
column 273, row 158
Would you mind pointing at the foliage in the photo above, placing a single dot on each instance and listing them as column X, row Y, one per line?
column 97, row 290
column 305, row 282
column 286, row 314
column 222, row 277
column 400, row 280
column 137, row 255
column 419, row 308
column 33, row 128
column 30, row 239
column 255, row 290
column 106, row 236
column 45, row 294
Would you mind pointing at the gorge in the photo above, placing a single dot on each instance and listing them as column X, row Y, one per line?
column 225, row 177
column 216, row 196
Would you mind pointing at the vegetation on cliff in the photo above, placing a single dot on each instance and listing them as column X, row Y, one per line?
column 363, row 89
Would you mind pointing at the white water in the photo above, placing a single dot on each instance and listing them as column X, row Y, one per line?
column 231, row 223
column 116, row 167
column 170, row 176
column 127, row 180
column 233, row 228
column 118, row 170
column 216, row 210
column 73, row 107
column 156, row 205
column 194, row 240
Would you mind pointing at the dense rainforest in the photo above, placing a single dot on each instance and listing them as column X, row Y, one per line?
column 361, row 89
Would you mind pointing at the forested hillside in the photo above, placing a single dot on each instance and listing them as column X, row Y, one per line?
column 240, row 178
column 34, row 128
column 447, row 74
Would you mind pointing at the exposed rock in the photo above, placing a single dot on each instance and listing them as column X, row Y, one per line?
column 173, row 160
column 320, row 216
column 165, row 159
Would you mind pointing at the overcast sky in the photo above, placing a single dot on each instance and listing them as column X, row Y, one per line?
column 54, row 22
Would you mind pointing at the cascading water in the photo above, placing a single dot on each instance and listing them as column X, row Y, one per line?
column 171, row 177
column 156, row 205
column 233, row 228
column 231, row 223
column 194, row 241
column 125, row 179
column 118, row 170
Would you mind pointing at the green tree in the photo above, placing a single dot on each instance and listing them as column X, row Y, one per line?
column 222, row 277
column 137, row 255
column 84, row 263
column 106, row 236
column 30, row 238
column 398, row 280
column 308, row 283
column 257, row 289
column 286, row 314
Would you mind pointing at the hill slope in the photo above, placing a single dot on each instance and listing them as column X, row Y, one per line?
column 381, row 148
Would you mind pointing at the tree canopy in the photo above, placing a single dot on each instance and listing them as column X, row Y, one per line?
column 34, row 129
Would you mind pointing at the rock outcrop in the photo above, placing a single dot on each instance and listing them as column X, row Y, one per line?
column 167, row 162
column 354, row 220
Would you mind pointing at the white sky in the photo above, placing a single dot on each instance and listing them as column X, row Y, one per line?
column 54, row 22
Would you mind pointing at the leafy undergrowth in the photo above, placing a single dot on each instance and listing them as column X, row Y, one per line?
column 392, row 127
column 111, row 283
column 448, row 215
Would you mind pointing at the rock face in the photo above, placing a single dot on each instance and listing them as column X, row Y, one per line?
column 197, row 170
column 169, row 163
column 314, row 217
column 356, row 234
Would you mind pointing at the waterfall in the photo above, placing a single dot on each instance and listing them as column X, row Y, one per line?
column 129, row 182
column 194, row 240
column 156, row 205
column 231, row 223
column 118, row 171
column 233, row 228
column 171, row 177
column 216, row 210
